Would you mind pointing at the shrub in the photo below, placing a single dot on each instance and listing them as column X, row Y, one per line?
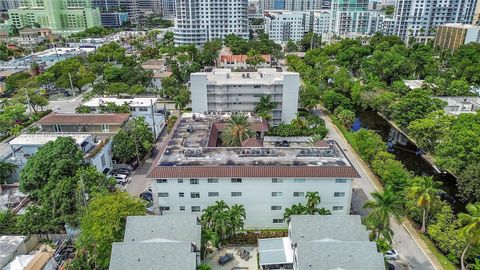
column 251, row 237
column 289, row 130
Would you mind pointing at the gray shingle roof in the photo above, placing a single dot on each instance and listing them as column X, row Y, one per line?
column 152, row 256
column 181, row 228
column 339, row 255
column 337, row 227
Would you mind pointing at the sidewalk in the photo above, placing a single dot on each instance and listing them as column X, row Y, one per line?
column 406, row 238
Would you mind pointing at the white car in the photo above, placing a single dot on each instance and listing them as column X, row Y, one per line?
column 121, row 178
column 391, row 255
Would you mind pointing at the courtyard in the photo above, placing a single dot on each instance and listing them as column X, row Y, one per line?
column 237, row 263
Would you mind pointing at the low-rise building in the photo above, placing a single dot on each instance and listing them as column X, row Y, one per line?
column 158, row 242
column 225, row 91
column 90, row 123
column 321, row 243
column 96, row 150
column 227, row 59
column 459, row 105
column 452, row 36
column 11, row 246
column 139, row 107
column 194, row 170
column 159, row 70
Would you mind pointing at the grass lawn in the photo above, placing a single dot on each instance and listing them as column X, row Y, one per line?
column 447, row 265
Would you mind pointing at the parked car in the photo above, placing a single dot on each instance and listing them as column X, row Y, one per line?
column 122, row 171
column 121, row 178
column 390, row 266
column 147, row 196
column 391, row 255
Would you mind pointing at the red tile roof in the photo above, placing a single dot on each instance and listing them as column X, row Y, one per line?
column 87, row 119
column 252, row 142
column 322, row 144
column 253, row 171
column 240, row 58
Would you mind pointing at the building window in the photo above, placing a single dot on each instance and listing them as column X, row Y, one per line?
column 236, row 180
column 142, row 109
column 182, row 208
column 337, row 208
column 163, row 194
column 194, row 181
column 276, row 180
column 276, row 208
column 164, row 208
column 213, row 194
column 212, row 180
column 194, row 195
column 180, row 181
column 276, row 194
column 277, row 220
column 162, row 181
column 299, row 180
column 103, row 161
column 339, row 194
column 105, row 128
column 181, row 194
column 236, row 194
column 298, row 194
column 340, row 181
column 195, row 209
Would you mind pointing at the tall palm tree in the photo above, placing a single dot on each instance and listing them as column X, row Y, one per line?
column 265, row 105
column 424, row 190
column 385, row 205
column 237, row 130
column 6, row 170
column 313, row 200
column 237, row 218
column 299, row 122
column 470, row 229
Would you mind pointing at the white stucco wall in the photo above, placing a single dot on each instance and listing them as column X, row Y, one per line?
column 256, row 196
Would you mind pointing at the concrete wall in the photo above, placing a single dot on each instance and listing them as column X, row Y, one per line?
column 106, row 153
column 199, row 92
column 256, row 196
column 291, row 87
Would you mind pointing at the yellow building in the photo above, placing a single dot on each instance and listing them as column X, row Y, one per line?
column 452, row 36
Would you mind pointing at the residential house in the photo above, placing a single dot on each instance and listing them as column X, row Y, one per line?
column 89, row 123
column 159, row 70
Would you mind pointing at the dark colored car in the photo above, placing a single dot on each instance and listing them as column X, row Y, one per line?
column 147, row 196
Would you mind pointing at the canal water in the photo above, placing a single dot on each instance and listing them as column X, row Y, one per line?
column 406, row 152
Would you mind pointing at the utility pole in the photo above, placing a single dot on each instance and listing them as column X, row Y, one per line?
column 153, row 121
column 28, row 101
column 71, row 84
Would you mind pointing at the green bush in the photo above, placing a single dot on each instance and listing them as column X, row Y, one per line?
column 251, row 237
column 289, row 130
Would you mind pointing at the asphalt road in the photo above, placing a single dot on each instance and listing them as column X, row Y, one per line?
column 411, row 255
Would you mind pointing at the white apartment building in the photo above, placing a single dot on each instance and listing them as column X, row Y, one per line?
column 194, row 171
column 198, row 21
column 282, row 26
column 139, row 107
column 349, row 17
column 418, row 18
column 304, row 5
column 321, row 21
column 225, row 91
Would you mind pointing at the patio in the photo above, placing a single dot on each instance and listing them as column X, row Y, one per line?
column 237, row 262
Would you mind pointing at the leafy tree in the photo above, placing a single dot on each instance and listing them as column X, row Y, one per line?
column 416, row 104
column 210, row 52
column 368, row 143
column 309, row 41
column 223, row 220
column 429, row 132
column 331, row 100
column 423, row 190
column 110, row 107
column 470, row 229
column 40, row 170
column 391, row 171
column 182, row 99
column 389, row 10
column 346, row 117
column 266, row 105
column 236, row 131
column 254, row 58
column 122, row 146
column 384, row 206
column 6, row 170
column 135, row 142
column 468, row 183
column 389, row 65
column 118, row 88
column 8, row 222
column 15, row 81
column 137, row 90
column 102, row 224
column 291, row 46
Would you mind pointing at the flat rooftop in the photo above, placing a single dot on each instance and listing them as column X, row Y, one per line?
column 84, row 118
column 9, row 245
column 43, row 138
column 263, row 76
column 132, row 102
column 191, row 152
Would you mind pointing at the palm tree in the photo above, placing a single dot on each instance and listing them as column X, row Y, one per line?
column 385, row 205
column 237, row 218
column 299, row 122
column 237, row 130
column 204, row 266
column 323, row 212
column 471, row 228
column 6, row 170
column 296, row 209
column 265, row 105
column 313, row 200
column 424, row 190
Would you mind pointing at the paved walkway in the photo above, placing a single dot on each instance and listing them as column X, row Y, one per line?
column 406, row 240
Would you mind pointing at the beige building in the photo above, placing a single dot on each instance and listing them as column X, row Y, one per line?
column 452, row 36
column 90, row 123
column 32, row 37
column 476, row 16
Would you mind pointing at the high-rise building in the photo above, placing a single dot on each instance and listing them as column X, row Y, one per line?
column 476, row 17
column 417, row 18
column 198, row 21
column 451, row 36
column 62, row 16
column 349, row 16
column 304, row 5
column 321, row 21
column 149, row 7
column 168, row 9
column 118, row 6
column 5, row 5
column 282, row 26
